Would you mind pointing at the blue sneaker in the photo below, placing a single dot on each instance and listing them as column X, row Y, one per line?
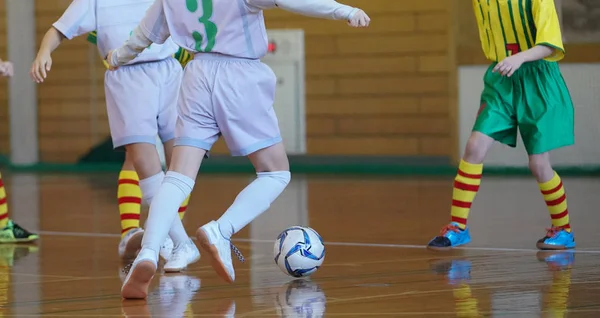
column 556, row 239
column 450, row 236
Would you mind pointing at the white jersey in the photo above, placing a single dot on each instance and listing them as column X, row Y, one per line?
column 114, row 21
column 228, row 27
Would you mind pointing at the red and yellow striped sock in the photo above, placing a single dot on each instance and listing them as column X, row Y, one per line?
column 556, row 200
column 183, row 208
column 466, row 185
column 129, row 195
column 3, row 205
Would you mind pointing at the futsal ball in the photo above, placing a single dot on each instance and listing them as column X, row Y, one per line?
column 299, row 251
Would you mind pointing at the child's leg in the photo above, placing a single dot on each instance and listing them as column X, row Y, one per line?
column 273, row 175
column 495, row 122
column 129, row 196
column 553, row 191
column 11, row 232
column 546, row 122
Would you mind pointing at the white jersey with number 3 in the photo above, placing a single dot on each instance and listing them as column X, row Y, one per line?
column 228, row 27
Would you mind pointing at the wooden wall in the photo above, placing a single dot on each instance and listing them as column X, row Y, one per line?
column 386, row 90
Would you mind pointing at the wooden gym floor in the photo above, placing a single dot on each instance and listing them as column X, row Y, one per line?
column 376, row 265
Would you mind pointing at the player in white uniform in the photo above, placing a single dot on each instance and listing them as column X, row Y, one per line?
column 226, row 90
column 140, row 97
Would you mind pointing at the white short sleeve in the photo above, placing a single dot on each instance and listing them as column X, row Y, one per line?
column 261, row 4
column 154, row 24
column 78, row 19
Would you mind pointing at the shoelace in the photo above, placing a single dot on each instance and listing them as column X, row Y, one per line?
column 237, row 253
column 127, row 268
column 449, row 228
column 551, row 232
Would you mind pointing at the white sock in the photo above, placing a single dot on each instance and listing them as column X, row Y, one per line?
column 150, row 187
column 255, row 199
column 163, row 209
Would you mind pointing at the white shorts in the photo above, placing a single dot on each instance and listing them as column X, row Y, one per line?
column 228, row 96
column 141, row 101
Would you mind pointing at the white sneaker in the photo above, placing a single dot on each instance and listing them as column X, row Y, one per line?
column 131, row 243
column 139, row 277
column 218, row 249
column 181, row 257
column 166, row 249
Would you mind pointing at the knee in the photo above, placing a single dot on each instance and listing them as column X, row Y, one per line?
column 476, row 150
column 284, row 177
column 540, row 167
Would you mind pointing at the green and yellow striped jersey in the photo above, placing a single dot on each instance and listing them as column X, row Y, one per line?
column 507, row 27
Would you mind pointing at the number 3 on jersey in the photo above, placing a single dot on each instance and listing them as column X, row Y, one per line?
column 209, row 26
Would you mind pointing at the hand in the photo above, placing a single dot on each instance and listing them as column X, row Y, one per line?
column 40, row 67
column 108, row 60
column 509, row 65
column 6, row 69
column 360, row 19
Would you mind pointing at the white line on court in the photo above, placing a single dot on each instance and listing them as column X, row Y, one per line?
column 492, row 249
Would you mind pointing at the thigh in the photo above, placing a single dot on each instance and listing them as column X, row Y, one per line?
column 546, row 115
column 170, row 74
column 132, row 106
column 496, row 117
column 243, row 97
column 196, row 124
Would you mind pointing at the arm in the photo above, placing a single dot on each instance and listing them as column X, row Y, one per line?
column 51, row 41
column 537, row 52
column 78, row 19
column 326, row 9
column 136, row 44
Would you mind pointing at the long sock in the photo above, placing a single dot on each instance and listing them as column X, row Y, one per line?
column 129, row 195
column 255, row 199
column 466, row 185
column 150, row 187
column 163, row 211
column 183, row 208
column 556, row 201
column 3, row 205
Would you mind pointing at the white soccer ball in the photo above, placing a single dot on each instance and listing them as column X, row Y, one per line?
column 299, row 251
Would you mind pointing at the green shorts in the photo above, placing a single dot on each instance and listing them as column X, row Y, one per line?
column 535, row 100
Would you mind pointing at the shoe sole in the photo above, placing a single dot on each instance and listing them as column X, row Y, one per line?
column 213, row 254
column 16, row 240
column 133, row 246
column 439, row 249
column 136, row 287
column 548, row 247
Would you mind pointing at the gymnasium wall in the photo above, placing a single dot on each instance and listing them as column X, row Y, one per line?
column 390, row 89
column 381, row 91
